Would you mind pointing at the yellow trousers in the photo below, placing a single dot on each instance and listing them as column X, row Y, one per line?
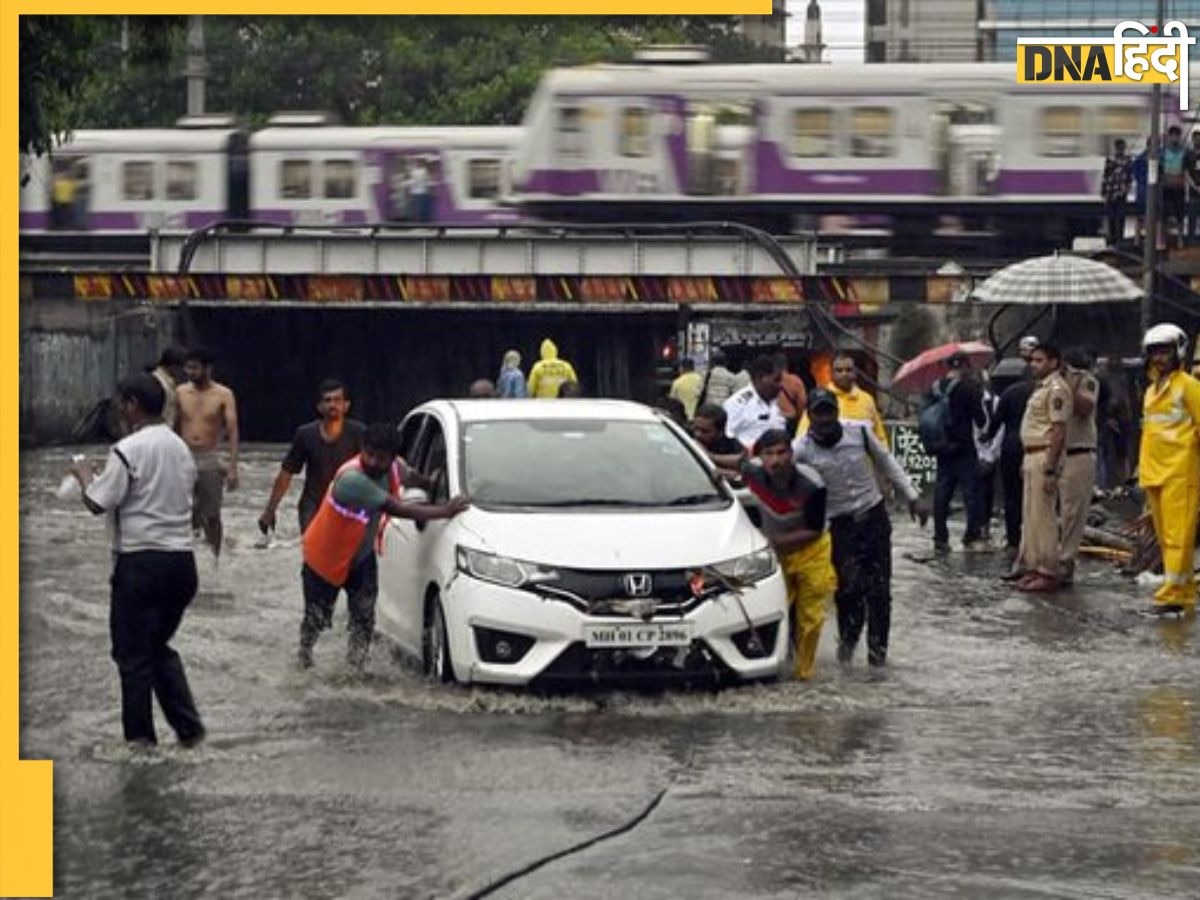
column 1173, row 507
column 811, row 582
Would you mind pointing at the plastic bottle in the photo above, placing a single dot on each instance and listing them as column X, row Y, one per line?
column 69, row 486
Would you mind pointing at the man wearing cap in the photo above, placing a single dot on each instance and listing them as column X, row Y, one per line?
column 1043, row 435
column 847, row 455
column 853, row 402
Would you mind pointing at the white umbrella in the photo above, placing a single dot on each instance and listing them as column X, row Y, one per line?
column 1044, row 280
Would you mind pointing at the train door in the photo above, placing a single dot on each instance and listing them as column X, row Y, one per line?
column 701, row 138
column 972, row 149
column 720, row 139
column 237, row 200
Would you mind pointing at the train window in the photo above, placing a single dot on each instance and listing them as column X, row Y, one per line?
column 341, row 177
column 871, row 130
column 483, row 178
column 570, row 131
column 137, row 181
column 295, row 179
column 812, row 132
column 181, row 179
column 1119, row 122
column 1061, row 131
column 634, row 138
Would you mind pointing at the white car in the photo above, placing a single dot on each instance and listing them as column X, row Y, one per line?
column 600, row 546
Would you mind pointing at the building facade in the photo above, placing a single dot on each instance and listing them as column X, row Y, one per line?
column 922, row 30
column 1001, row 22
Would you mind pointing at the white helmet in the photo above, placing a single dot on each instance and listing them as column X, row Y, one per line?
column 1169, row 335
column 1029, row 343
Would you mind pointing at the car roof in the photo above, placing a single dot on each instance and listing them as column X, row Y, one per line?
column 507, row 410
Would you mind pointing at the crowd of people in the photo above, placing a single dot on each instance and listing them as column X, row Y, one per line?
column 817, row 460
column 1178, row 167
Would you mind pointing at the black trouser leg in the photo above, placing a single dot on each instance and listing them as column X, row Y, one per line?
column 150, row 591
column 362, row 588
column 1010, row 480
column 851, row 608
column 943, row 491
column 862, row 555
column 319, row 597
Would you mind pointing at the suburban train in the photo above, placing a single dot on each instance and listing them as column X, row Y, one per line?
column 772, row 145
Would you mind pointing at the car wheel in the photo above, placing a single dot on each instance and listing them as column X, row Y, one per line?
column 436, row 644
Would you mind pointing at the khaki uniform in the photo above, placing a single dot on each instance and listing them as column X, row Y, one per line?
column 1049, row 404
column 1078, row 478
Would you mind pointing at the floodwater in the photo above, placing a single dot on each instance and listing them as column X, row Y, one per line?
column 1015, row 747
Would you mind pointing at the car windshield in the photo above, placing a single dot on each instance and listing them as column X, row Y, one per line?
column 580, row 463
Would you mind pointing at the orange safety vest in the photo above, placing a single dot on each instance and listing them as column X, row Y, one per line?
column 337, row 531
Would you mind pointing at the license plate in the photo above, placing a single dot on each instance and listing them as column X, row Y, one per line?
column 638, row 634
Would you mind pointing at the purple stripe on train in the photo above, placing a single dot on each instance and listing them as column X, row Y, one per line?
column 774, row 177
column 1036, row 181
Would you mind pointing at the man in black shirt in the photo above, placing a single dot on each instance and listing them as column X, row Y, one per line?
column 958, row 466
column 1009, row 413
column 708, row 428
column 319, row 448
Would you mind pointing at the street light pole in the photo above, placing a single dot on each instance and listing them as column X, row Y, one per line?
column 1153, row 195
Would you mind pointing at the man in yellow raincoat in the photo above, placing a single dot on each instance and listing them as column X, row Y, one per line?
column 791, row 498
column 548, row 373
column 1169, row 469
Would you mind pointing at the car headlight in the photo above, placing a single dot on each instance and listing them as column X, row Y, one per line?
column 749, row 568
column 501, row 569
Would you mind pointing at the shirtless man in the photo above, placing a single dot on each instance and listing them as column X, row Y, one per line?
column 208, row 412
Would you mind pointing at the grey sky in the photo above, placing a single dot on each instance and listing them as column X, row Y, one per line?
column 841, row 23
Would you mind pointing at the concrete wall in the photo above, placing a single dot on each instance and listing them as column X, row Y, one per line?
column 73, row 353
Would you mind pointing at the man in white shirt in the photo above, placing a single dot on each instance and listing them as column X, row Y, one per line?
column 754, row 410
column 146, row 490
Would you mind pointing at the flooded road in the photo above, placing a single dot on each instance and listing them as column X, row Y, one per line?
column 1015, row 747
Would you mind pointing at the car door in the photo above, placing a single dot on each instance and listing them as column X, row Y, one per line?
column 401, row 600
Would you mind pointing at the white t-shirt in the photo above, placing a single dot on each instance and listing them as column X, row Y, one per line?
column 146, row 488
column 749, row 416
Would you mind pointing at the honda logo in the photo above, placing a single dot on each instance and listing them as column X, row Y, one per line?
column 638, row 584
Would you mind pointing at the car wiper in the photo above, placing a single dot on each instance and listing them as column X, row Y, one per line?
column 592, row 501
column 693, row 500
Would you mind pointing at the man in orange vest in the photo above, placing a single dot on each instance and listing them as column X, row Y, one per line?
column 341, row 540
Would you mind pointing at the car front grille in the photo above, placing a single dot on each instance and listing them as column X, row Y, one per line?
column 603, row 592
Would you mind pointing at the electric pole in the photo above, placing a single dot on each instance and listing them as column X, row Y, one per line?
column 1153, row 193
column 196, row 68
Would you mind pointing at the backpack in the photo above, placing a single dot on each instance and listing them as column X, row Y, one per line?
column 933, row 424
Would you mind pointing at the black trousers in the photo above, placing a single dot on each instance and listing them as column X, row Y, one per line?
column 150, row 591
column 1114, row 220
column 362, row 588
column 1011, row 481
column 862, row 556
column 953, row 472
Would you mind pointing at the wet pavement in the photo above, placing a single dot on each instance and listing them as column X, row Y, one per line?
column 1015, row 746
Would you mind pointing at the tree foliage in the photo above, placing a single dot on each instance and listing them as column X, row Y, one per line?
column 367, row 70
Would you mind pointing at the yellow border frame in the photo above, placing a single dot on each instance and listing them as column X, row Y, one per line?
column 26, row 786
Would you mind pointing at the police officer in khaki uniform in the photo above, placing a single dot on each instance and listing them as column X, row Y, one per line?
column 1078, row 478
column 1043, row 435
